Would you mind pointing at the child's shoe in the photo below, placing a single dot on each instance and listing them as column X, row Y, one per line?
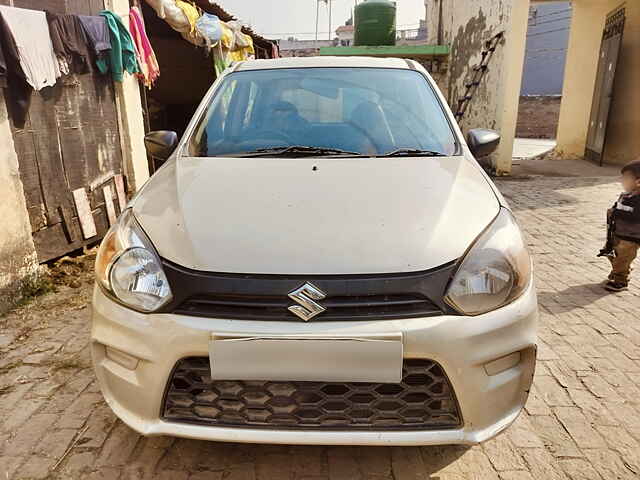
column 616, row 286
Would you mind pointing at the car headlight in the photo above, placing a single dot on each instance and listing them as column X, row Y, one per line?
column 129, row 269
column 495, row 270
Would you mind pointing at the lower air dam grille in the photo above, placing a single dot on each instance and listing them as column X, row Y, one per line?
column 423, row 400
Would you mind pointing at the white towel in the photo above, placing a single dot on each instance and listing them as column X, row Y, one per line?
column 31, row 33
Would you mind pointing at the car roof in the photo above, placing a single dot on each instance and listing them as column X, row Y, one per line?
column 318, row 62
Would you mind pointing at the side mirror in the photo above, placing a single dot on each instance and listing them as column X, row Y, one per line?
column 161, row 144
column 482, row 142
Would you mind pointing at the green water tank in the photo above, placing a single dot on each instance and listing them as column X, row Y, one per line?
column 375, row 23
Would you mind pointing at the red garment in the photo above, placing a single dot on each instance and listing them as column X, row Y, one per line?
column 146, row 56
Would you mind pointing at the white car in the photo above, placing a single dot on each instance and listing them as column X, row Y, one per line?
column 320, row 260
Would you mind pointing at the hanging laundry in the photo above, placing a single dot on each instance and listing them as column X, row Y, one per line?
column 97, row 31
column 222, row 52
column 70, row 42
column 122, row 56
column 176, row 18
column 239, row 40
column 20, row 91
column 228, row 38
column 191, row 12
column 170, row 13
column 221, row 58
column 148, row 63
column 31, row 34
column 208, row 26
column 243, row 53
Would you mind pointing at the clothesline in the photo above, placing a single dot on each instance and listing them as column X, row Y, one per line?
column 38, row 47
column 225, row 40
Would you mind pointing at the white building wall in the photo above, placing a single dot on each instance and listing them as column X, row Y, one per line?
column 465, row 25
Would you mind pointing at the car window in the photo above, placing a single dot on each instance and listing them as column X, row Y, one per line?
column 370, row 111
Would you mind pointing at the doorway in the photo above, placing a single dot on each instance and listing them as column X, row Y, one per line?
column 603, row 91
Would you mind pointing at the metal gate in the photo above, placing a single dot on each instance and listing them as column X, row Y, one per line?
column 69, row 153
column 607, row 62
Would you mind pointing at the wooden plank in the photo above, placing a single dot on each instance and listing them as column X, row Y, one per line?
column 96, row 6
column 67, row 224
column 52, row 243
column 30, row 176
column 122, row 197
column 73, row 138
column 84, row 213
column 78, row 7
column 56, row 6
column 53, row 182
column 108, row 202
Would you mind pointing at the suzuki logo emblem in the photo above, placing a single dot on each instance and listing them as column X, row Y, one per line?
column 305, row 296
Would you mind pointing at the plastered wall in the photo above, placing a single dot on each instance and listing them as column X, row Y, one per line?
column 18, row 260
column 465, row 25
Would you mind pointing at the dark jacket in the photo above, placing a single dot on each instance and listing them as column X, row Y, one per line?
column 626, row 216
column 70, row 42
column 97, row 30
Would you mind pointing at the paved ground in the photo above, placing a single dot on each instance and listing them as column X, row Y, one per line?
column 531, row 147
column 582, row 420
column 551, row 167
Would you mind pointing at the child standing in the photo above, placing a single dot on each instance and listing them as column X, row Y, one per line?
column 624, row 223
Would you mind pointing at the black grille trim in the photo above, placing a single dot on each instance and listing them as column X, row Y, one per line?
column 423, row 400
column 348, row 297
column 338, row 308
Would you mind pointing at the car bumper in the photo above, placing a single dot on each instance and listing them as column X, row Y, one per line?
column 489, row 360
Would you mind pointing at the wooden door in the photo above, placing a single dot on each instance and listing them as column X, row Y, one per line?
column 70, row 143
column 603, row 92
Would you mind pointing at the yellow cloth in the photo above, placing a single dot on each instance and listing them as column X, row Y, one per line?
column 191, row 12
column 237, row 55
column 227, row 36
column 243, row 53
column 250, row 50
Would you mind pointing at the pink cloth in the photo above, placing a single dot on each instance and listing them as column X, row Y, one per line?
column 146, row 56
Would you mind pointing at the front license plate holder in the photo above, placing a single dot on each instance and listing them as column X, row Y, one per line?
column 376, row 359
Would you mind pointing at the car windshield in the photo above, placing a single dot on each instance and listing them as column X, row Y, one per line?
column 335, row 111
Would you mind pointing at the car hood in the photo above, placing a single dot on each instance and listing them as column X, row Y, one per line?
column 315, row 216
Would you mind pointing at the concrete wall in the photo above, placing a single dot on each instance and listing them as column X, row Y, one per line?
column 546, row 53
column 18, row 260
column 623, row 141
column 465, row 25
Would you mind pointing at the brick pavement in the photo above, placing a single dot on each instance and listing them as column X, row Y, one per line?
column 582, row 420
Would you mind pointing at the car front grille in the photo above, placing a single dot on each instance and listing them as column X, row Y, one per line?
column 423, row 400
column 356, row 307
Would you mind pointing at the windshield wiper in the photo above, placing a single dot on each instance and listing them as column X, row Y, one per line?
column 295, row 149
column 412, row 152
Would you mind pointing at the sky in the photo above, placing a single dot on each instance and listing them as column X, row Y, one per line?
column 297, row 18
